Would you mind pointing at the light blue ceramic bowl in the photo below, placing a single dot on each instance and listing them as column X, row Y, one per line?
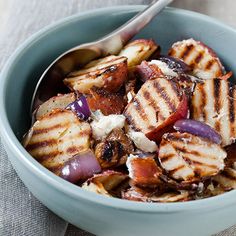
column 94, row 213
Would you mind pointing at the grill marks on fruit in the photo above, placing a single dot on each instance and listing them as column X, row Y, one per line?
column 209, row 64
column 203, row 104
column 199, row 57
column 108, row 73
column 187, row 51
column 156, row 101
column 48, row 129
column 218, row 105
column 41, row 144
column 156, row 107
column 165, row 96
column 140, row 109
column 58, row 136
column 216, row 94
column 188, row 157
column 228, row 174
column 231, row 105
column 202, row 59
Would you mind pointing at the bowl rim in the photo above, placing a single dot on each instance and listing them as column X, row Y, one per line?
column 72, row 190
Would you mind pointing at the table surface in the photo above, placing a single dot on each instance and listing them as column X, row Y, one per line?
column 20, row 19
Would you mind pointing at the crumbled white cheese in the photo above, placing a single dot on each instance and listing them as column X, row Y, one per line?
column 164, row 67
column 129, row 165
column 142, row 142
column 103, row 125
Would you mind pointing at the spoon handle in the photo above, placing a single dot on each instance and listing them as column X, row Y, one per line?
column 113, row 42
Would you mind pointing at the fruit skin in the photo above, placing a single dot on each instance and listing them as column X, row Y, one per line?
column 107, row 102
column 144, row 171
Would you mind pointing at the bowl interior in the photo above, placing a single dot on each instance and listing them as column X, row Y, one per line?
column 38, row 52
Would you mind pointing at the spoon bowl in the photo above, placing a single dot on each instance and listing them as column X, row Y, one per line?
column 50, row 83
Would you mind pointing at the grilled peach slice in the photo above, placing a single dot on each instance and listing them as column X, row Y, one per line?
column 138, row 50
column 227, row 178
column 156, row 107
column 56, row 137
column 143, row 195
column 59, row 101
column 156, row 69
column 187, row 157
column 108, row 183
column 214, row 102
column 107, row 102
column 144, row 171
column 202, row 59
column 109, row 73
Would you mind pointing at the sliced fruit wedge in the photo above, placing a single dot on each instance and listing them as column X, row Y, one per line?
column 214, row 102
column 109, row 73
column 108, row 183
column 187, row 157
column 60, row 101
column 142, row 195
column 157, row 68
column 144, row 171
column 202, row 59
column 56, row 137
column 156, row 107
column 138, row 50
column 226, row 179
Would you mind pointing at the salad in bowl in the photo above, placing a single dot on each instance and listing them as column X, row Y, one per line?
column 142, row 126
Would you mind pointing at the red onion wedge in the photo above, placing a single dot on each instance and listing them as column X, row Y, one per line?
column 197, row 128
column 145, row 71
column 175, row 64
column 80, row 107
column 82, row 166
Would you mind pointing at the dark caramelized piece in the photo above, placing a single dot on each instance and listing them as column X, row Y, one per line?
column 113, row 151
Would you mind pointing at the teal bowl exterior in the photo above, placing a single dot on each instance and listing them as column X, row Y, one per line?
column 94, row 213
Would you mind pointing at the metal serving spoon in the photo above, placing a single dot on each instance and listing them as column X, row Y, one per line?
column 50, row 83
